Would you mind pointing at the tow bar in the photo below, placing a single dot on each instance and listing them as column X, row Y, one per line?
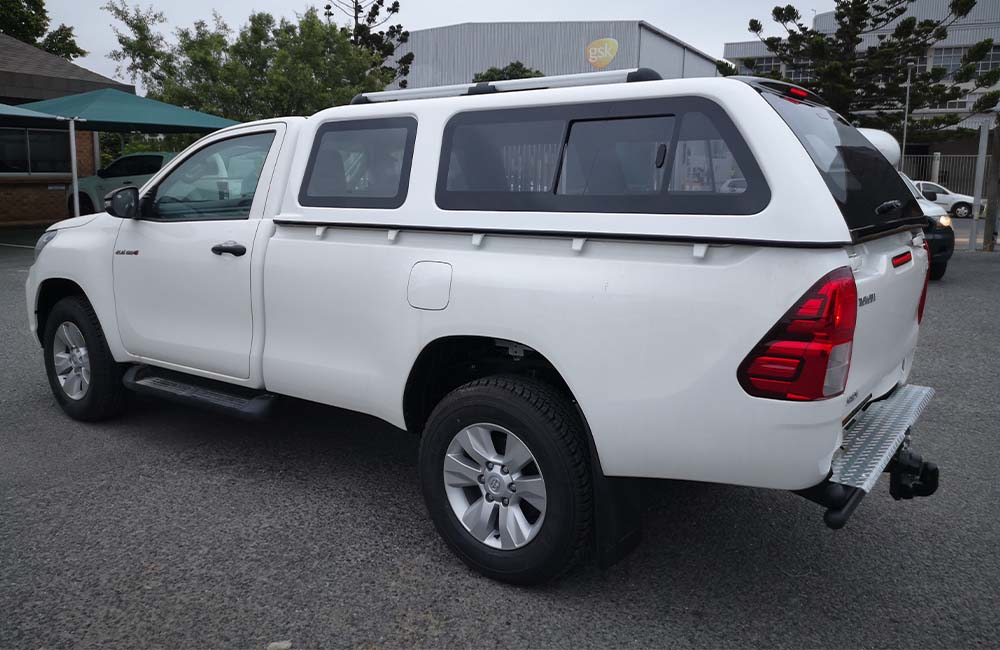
column 910, row 476
column 877, row 441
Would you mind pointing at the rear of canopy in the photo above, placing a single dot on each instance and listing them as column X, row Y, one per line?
column 113, row 110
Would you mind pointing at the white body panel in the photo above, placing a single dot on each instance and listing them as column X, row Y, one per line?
column 648, row 335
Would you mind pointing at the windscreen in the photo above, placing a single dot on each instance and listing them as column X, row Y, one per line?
column 871, row 195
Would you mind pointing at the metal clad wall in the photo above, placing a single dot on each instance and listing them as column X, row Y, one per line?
column 985, row 11
column 454, row 54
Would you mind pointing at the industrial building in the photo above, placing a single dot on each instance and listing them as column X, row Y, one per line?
column 982, row 22
column 454, row 54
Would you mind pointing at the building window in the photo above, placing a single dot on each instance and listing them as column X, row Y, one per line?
column 949, row 58
column 800, row 70
column 34, row 151
column 761, row 65
column 990, row 61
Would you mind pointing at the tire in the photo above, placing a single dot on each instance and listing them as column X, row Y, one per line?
column 86, row 205
column 103, row 396
column 961, row 210
column 937, row 270
column 547, row 425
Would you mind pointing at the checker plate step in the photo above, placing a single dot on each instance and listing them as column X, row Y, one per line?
column 873, row 438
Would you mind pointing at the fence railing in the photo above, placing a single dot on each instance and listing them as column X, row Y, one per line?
column 955, row 172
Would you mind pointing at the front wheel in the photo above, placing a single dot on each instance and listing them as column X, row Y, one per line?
column 962, row 210
column 84, row 377
column 505, row 473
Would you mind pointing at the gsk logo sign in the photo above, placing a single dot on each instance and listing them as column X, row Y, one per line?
column 602, row 52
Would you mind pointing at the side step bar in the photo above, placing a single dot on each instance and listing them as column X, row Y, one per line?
column 196, row 391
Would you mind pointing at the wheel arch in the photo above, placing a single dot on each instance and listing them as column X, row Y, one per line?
column 51, row 291
column 448, row 362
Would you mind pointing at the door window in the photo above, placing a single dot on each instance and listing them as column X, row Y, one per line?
column 218, row 181
column 931, row 187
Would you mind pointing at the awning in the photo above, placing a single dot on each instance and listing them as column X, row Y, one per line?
column 114, row 110
column 17, row 116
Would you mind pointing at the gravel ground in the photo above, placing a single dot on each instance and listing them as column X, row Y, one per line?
column 173, row 528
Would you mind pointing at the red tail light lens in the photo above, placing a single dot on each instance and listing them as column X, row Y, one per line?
column 807, row 354
column 927, row 277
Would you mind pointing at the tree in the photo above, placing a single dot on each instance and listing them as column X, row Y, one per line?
column 513, row 70
column 270, row 67
column 366, row 17
column 861, row 74
column 28, row 21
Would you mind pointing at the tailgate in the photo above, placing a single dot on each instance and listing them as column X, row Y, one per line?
column 890, row 273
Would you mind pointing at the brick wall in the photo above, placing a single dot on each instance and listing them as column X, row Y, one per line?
column 28, row 199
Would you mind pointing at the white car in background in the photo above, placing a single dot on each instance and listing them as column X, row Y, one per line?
column 959, row 205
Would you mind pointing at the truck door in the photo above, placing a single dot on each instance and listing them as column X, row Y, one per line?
column 182, row 270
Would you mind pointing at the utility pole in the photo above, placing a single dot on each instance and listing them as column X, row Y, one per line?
column 910, row 64
column 992, row 192
column 977, row 192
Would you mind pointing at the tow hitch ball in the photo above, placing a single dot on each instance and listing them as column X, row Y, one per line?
column 910, row 476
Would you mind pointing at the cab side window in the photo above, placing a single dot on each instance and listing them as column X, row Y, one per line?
column 218, row 181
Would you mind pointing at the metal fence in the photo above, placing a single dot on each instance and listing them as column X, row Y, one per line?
column 957, row 173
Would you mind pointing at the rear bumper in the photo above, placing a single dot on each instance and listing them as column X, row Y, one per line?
column 877, row 441
column 941, row 243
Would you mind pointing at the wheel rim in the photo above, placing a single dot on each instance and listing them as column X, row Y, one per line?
column 71, row 360
column 495, row 486
column 962, row 212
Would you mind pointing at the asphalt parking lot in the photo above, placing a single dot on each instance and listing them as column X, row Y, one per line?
column 173, row 528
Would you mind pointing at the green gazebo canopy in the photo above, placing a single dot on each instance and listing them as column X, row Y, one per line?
column 113, row 110
column 17, row 116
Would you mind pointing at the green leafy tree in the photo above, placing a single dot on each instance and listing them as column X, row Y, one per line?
column 860, row 70
column 367, row 18
column 269, row 67
column 28, row 21
column 513, row 70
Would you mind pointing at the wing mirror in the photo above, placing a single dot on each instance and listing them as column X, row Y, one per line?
column 929, row 195
column 122, row 203
column 102, row 173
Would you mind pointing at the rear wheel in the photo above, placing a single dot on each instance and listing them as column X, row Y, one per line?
column 84, row 377
column 505, row 474
column 962, row 210
column 937, row 270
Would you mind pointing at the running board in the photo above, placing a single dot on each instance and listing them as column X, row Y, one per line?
column 212, row 395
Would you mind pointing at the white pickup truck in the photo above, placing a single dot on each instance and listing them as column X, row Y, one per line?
column 560, row 289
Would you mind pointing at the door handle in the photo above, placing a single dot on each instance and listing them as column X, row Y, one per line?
column 126, row 182
column 231, row 247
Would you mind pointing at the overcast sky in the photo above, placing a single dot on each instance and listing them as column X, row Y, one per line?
column 705, row 24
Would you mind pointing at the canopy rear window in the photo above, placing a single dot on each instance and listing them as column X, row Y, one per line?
column 871, row 195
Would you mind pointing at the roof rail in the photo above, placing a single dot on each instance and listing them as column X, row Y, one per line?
column 533, row 83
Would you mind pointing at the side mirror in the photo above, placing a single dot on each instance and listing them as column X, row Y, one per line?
column 102, row 173
column 930, row 196
column 122, row 203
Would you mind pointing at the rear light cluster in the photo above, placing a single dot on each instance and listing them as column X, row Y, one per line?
column 807, row 355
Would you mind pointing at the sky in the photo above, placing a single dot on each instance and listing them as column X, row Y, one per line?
column 705, row 24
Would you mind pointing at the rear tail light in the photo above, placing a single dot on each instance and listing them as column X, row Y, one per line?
column 807, row 354
column 927, row 277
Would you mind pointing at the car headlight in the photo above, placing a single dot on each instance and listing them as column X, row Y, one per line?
column 944, row 221
column 44, row 240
